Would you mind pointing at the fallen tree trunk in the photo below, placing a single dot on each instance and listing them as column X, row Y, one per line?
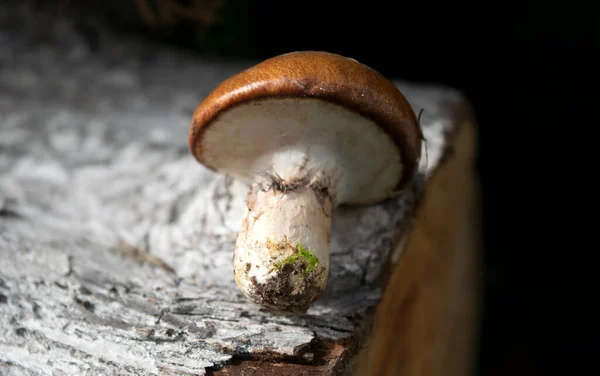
column 116, row 246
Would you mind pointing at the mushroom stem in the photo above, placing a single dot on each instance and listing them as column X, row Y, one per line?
column 281, row 258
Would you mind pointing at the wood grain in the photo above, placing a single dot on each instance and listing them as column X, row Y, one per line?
column 427, row 322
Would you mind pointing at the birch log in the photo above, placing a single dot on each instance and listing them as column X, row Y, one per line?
column 116, row 246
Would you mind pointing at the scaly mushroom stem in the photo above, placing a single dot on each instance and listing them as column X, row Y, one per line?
column 281, row 258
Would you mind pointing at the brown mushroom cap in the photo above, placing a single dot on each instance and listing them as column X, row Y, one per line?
column 320, row 76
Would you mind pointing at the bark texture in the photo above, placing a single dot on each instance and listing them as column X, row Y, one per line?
column 116, row 246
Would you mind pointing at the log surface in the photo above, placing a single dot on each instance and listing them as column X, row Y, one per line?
column 116, row 246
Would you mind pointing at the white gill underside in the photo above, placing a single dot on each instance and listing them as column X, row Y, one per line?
column 280, row 135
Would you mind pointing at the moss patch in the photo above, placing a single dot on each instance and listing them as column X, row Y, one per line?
column 302, row 255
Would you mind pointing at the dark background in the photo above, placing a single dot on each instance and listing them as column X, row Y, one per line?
column 523, row 67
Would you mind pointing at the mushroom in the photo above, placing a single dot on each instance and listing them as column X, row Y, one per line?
column 307, row 131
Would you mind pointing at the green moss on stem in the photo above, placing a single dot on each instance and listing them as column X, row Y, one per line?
column 305, row 256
